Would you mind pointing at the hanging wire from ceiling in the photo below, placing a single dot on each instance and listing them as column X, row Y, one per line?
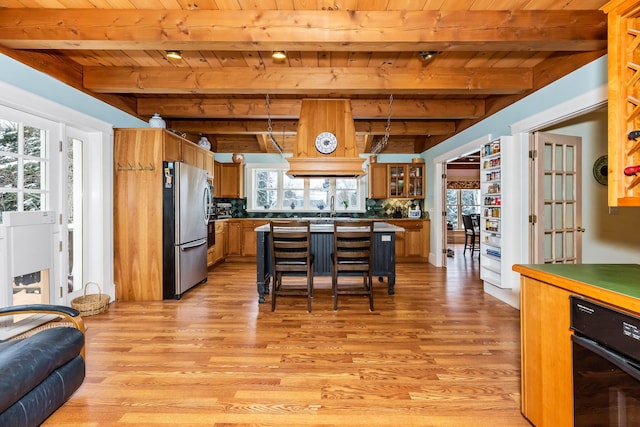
column 382, row 142
column 270, row 129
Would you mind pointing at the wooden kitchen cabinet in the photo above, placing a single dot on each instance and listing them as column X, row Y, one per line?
column 234, row 231
column 396, row 181
column 545, row 320
column 546, row 354
column 229, row 180
column 413, row 244
column 377, row 176
column 220, row 252
column 208, row 163
column 624, row 115
column 248, row 245
column 137, row 216
column 189, row 150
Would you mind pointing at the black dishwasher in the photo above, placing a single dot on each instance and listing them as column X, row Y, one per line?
column 606, row 367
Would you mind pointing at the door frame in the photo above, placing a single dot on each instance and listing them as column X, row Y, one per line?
column 582, row 104
column 98, row 187
column 440, row 162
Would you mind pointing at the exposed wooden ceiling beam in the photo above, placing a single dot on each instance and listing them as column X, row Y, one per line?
column 290, row 108
column 289, row 127
column 303, row 30
column 320, row 81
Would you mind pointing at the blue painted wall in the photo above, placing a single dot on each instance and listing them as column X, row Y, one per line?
column 586, row 78
column 19, row 75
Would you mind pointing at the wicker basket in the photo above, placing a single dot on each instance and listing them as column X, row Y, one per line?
column 91, row 304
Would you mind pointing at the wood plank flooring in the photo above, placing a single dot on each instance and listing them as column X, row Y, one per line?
column 438, row 353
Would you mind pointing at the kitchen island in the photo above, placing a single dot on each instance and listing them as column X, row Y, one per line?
column 384, row 253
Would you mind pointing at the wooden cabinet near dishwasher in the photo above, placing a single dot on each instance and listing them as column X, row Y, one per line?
column 546, row 344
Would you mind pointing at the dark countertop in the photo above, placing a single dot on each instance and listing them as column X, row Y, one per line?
column 327, row 227
column 622, row 279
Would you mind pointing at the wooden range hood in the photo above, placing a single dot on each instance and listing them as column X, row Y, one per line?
column 325, row 115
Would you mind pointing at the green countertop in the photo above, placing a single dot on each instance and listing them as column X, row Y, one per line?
column 620, row 278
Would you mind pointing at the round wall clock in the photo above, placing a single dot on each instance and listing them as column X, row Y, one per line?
column 326, row 142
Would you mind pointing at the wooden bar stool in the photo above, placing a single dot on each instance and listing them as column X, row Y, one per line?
column 352, row 254
column 291, row 256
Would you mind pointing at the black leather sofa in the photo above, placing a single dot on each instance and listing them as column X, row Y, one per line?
column 40, row 372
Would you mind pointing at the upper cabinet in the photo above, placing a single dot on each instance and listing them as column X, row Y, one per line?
column 624, row 102
column 396, row 180
column 136, row 148
column 377, row 180
column 229, row 180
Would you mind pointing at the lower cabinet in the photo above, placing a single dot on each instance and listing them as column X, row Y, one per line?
column 248, row 245
column 220, row 248
column 412, row 245
column 234, row 231
column 546, row 354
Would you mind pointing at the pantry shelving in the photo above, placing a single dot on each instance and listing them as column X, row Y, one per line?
column 500, row 228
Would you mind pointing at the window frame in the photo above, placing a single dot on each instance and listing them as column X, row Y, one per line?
column 281, row 169
column 459, row 203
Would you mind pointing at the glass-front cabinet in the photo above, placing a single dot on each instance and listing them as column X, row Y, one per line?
column 406, row 180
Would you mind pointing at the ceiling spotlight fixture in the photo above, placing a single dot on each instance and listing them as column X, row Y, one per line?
column 427, row 55
column 279, row 54
column 174, row 54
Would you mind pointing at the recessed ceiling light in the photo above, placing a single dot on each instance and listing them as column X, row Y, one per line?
column 174, row 54
column 427, row 55
column 279, row 54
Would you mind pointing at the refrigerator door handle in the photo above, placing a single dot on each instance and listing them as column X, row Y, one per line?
column 192, row 245
column 206, row 202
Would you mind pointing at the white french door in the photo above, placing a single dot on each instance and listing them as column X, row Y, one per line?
column 556, row 199
column 73, row 223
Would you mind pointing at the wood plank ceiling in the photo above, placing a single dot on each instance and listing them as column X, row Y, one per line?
column 488, row 54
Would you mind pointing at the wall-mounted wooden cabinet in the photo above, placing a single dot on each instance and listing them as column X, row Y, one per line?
column 624, row 103
column 396, row 180
column 377, row 175
column 229, row 180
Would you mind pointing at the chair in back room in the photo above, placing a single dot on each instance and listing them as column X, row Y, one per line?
column 471, row 233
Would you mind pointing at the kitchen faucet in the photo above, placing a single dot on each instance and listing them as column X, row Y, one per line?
column 332, row 206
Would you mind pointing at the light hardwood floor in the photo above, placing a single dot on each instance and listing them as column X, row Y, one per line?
column 438, row 353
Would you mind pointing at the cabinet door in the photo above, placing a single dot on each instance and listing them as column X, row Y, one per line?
column 415, row 175
column 172, row 148
column 199, row 158
column 208, row 164
column 249, row 236
column 396, row 180
column 413, row 239
column 189, row 153
column 233, row 237
column 231, row 180
column 378, row 181
column 546, row 354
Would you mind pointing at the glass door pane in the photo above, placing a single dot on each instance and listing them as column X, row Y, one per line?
column 74, row 189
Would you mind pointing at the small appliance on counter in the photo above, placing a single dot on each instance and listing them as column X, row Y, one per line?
column 415, row 212
column 223, row 210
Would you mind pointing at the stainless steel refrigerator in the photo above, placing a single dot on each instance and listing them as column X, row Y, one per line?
column 186, row 197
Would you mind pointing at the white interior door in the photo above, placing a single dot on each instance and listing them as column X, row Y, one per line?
column 73, row 228
column 557, row 206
